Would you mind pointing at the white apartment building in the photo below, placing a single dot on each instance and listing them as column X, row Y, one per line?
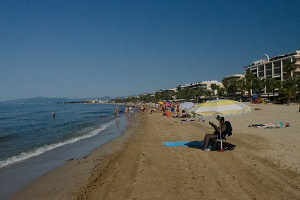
column 202, row 84
column 235, row 76
column 273, row 67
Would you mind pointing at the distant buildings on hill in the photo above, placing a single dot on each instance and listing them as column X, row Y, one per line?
column 266, row 67
column 96, row 101
column 201, row 84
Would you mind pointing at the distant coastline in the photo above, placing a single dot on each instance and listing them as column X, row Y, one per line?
column 36, row 100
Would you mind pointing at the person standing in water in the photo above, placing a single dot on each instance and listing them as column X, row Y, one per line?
column 127, row 112
column 116, row 111
column 53, row 114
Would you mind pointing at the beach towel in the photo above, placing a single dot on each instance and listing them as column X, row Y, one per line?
column 271, row 125
column 183, row 143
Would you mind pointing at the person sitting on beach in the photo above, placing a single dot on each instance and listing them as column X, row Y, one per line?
column 152, row 111
column 174, row 115
column 271, row 125
column 208, row 137
column 142, row 109
column 167, row 113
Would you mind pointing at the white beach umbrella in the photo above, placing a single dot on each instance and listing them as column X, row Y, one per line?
column 186, row 105
column 220, row 107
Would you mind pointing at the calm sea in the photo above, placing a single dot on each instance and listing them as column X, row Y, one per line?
column 32, row 142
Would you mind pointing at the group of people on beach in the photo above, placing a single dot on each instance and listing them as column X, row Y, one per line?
column 171, row 109
column 167, row 108
column 128, row 110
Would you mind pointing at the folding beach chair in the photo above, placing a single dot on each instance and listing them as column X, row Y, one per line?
column 224, row 136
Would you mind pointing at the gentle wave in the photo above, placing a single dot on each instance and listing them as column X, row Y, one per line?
column 7, row 137
column 32, row 153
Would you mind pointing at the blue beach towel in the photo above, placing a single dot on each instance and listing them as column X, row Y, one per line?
column 183, row 143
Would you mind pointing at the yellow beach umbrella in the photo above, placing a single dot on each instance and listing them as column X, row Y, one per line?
column 220, row 108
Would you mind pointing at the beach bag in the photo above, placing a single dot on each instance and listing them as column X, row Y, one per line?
column 228, row 128
column 228, row 131
column 226, row 146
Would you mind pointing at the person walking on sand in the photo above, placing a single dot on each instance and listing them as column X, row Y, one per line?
column 130, row 110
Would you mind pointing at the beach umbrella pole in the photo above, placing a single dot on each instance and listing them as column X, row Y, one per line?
column 221, row 136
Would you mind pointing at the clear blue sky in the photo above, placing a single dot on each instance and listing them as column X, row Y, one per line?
column 77, row 49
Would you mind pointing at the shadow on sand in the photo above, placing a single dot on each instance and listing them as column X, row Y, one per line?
column 226, row 146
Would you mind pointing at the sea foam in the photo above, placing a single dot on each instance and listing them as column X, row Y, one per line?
column 38, row 151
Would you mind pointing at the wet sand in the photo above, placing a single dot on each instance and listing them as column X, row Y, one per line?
column 264, row 165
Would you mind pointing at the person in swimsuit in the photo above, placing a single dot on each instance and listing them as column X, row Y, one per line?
column 116, row 111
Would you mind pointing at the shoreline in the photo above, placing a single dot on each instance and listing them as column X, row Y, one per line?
column 18, row 175
column 54, row 182
column 265, row 163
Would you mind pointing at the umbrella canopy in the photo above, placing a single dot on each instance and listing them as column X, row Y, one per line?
column 167, row 103
column 186, row 105
column 220, row 107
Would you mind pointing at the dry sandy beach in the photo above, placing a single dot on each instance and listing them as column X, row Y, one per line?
column 264, row 165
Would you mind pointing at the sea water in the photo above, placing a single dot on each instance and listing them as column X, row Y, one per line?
column 33, row 142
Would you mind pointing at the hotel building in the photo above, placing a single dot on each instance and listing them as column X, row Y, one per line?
column 274, row 67
column 202, row 84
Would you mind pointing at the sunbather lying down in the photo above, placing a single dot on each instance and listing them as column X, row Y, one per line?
column 271, row 125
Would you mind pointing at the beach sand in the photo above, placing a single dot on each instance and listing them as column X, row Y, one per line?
column 264, row 165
